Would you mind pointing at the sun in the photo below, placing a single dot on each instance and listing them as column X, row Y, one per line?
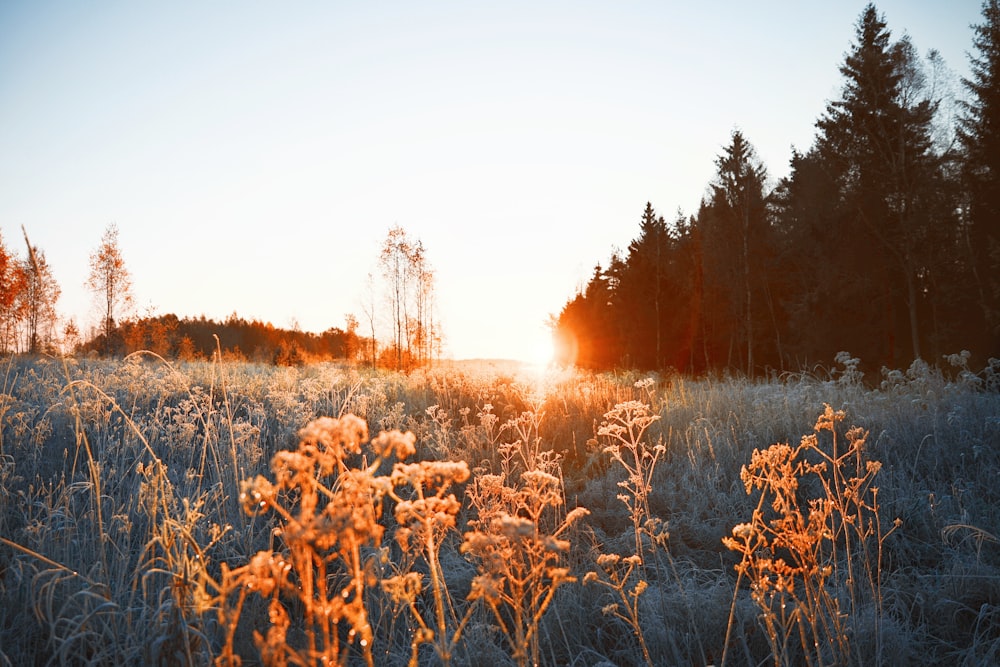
column 539, row 352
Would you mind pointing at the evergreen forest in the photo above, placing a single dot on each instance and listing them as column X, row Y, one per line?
column 883, row 241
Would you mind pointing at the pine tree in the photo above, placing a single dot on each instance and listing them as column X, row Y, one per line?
column 642, row 293
column 876, row 141
column 739, row 212
column 979, row 135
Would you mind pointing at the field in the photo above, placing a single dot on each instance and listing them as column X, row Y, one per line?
column 156, row 513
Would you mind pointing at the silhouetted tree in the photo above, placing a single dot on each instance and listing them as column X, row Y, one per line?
column 409, row 283
column 736, row 229
column 370, row 313
column 351, row 339
column 195, row 338
column 865, row 242
column 640, row 293
column 875, row 141
column 979, row 135
column 586, row 331
column 689, row 294
column 422, row 330
column 821, row 274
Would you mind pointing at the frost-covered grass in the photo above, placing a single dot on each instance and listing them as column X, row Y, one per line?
column 126, row 537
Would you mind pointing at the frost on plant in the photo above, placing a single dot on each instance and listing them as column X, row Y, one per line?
column 798, row 552
column 518, row 542
column 425, row 516
column 329, row 514
column 623, row 429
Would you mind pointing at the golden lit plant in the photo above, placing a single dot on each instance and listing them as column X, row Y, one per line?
column 329, row 515
column 425, row 518
column 812, row 548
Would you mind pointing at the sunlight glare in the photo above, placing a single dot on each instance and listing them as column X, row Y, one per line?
column 541, row 352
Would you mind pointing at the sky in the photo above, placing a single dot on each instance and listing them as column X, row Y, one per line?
column 254, row 155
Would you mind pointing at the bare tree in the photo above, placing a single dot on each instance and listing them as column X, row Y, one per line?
column 368, row 309
column 109, row 280
column 395, row 262
column 38, row 298
column 410, row 291
column 423, row 328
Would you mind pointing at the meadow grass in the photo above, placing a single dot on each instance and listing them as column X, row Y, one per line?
column 199, row 513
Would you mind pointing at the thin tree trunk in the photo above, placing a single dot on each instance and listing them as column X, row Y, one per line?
column 911, row 293
column 746, row 283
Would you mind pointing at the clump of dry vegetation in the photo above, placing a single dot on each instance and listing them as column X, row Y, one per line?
column 226, row 513
column 813, row 562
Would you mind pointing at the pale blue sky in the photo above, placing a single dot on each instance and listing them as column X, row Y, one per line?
column 254, row 155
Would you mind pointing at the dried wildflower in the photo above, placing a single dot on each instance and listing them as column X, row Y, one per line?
column 742, row 531
column 815, row 537
column 424, row 519
column 829, row 418
column 608, row 560
column 404, row 588
column 514, row 527
column 540, row 479
column 335, row 512
column 394, row 443
column 576, row 514
column 255, row 495
column 624, row 428
column 517, row 540
column 617, row 574
column 430, row 474
column 260, row 573
column 485, row 587
column 553, row 544
column 338, row 436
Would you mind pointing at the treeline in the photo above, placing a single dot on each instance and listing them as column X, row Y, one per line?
column 238, row 339
column 884, row 240
column 29, row 321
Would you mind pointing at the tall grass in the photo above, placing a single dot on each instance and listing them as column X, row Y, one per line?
column 124, row 537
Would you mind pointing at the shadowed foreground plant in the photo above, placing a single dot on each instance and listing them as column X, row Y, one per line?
column 518, row 545
column 328, row 537
column 624, row 427
column 174, row 572
column 618, row 573
column 811, row 563
column 425, row 520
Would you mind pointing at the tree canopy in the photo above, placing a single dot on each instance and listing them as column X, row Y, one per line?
column 881, row 241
